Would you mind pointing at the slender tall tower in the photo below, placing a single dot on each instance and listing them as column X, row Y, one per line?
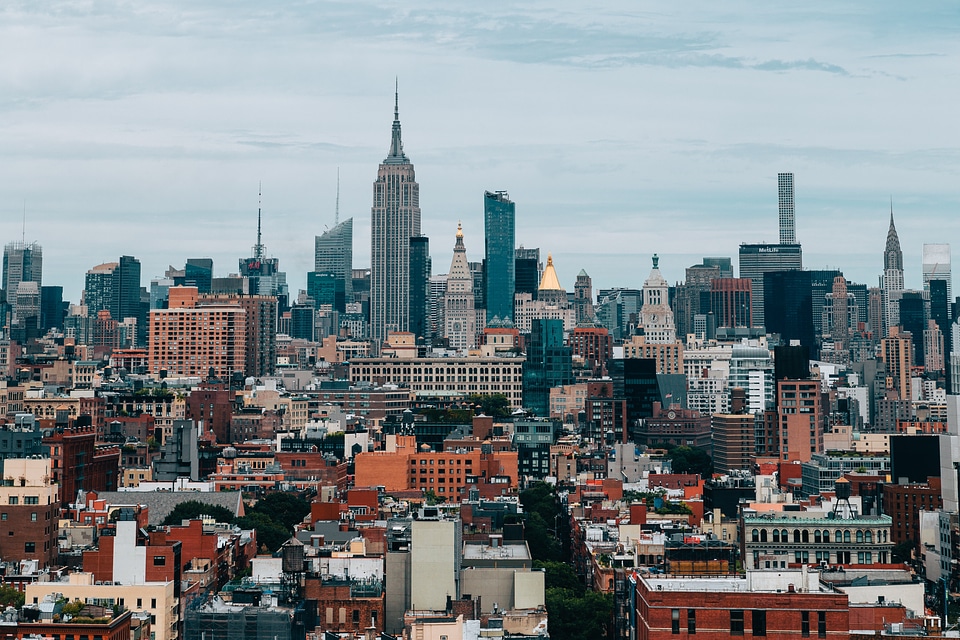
column 22, row 262
column 892, row 277
column 499, row 224
column 395, row 218
column 785, row 192
column 460, row 316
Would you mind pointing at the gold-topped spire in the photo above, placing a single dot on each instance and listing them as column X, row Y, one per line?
column 549, row 281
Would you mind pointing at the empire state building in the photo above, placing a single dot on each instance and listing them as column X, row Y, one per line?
column 395, row 218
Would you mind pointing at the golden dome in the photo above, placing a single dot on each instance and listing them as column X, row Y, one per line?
column 549, row 281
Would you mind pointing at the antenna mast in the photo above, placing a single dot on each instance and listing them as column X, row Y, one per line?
column 258, row 249
column 336, row 214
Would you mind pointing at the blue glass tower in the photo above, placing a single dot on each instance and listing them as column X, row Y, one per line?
column 499, row 231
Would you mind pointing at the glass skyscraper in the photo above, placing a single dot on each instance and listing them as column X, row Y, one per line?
column 499, row 232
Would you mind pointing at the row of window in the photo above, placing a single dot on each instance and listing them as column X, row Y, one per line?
column 819, row 537
column 758, row 621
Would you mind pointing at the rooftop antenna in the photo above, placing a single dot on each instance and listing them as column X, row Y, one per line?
column 258, row 249
column 336, row 214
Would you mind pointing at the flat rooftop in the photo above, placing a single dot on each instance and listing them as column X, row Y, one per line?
column 486, row 552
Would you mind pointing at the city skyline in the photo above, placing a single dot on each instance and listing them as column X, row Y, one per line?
column 101, row 146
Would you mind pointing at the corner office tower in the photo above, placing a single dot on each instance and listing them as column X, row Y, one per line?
column 395, row 218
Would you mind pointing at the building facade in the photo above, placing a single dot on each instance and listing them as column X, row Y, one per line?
column 499, row 237
column 395, row 218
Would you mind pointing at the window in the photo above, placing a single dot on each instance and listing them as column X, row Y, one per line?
column 139, row 603
column 153, row 603
column 805, row 624
column 33, row 517
column 31, row 499
column 159, row 561
column 675, row 621
column 356, row 612
column 14, row 500
column 29, row 547
column 759, row 622
column 736, row 622
column 691, row 621
column 821, row 624
column 3, row 516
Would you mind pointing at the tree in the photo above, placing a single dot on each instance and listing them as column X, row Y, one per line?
column 286, row 509
column 270, row 534
column 686, row 459
column 11, row 597
column 559, row 575
column 496, row 405
column 193, row 509
column 578, row 617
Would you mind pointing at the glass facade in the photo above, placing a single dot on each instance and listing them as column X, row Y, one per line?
column 499, row 224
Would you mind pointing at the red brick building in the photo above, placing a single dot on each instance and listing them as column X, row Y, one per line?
column 347, row 606
column 773, row 604
column 212, row 404
column 78, row 462
column 594, row 345
column 904, row 502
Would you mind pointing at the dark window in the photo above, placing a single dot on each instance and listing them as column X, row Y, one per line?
column 805, row 624
column 675, row 621
column 821, row 624
column 759, row 622
column 736, row 622
column 691, row 620
column 153, row 603
column 356, row 612
column 159, row 561
column 29, row 547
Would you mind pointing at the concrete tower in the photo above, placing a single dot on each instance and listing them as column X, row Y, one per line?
column 460, row 316
column 785, row 192
column 656, row 314
column 395, row 218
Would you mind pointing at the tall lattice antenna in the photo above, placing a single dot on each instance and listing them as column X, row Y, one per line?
column 258, row 249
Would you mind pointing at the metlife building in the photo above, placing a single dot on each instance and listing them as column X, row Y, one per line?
column 757, row 259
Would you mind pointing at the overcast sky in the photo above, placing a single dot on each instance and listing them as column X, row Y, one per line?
column 620, row 130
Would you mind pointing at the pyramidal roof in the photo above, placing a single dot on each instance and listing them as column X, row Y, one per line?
column 892, row 255
column 549, row 281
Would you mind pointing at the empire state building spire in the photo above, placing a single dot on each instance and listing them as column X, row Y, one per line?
column 396, row 155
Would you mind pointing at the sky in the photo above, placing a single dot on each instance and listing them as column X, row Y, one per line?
column 621, row 129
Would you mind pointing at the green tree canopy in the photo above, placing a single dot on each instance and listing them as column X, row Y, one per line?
column 287, row 509
column 686, row 459
column 496, row 405
column 193, row 509
column 587, row 616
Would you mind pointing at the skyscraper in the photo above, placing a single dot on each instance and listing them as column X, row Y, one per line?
column 656, row 314
column 785, row 192
column 395, row 218
column 263, row 274
column 421, row 268
column 583, row 298
column 527, row 272
column 333, row 253
column 22, row 262
column 936, row 265
column 460, row 316
column 892, row 277
column 499, row 239
column 757, row 259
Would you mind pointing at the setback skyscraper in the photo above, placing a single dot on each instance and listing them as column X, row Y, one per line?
column 334, row 255
column 22, row 262
column 892, row 277
column 936, row 266
column 758, row 259
column 499, row 225
column 395, row 218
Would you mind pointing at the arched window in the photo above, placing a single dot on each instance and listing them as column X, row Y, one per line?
column 763, row 535
column 796, row 535
column 755, row 535
column 846, row 535
column 859, row 535
column 805, row 535
column 783, row 535
column 826, row 536
column 816, row 536
column 776, row 535
column 838, row 536
column 868, row 536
